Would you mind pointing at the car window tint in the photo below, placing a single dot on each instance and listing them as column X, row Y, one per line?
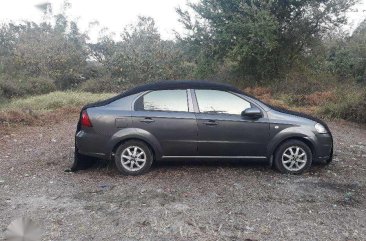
column 163, row 100
column 123, row 103
column 220, row 102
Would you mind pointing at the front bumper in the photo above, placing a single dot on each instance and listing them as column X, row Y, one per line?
column 323, row 147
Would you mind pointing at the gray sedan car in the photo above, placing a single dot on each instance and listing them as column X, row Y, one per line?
column 196, row 119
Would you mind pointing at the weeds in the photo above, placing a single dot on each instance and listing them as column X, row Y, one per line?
column 30, row 110
column 349, row 103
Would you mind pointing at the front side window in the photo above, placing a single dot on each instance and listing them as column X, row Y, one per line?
column 163, row 100
column 220, row 102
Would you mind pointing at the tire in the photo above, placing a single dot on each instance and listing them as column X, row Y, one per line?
column 82, row 162
column 133, row 158
column 293, row 157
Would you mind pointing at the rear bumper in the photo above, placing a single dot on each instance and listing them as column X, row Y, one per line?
column 90, row 144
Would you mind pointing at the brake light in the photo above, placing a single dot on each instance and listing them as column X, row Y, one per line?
column 85, row 121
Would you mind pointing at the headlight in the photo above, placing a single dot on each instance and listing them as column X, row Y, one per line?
column 320, row 128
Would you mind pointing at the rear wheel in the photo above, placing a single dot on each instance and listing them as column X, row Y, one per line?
column 133, row 158
column 293, row 157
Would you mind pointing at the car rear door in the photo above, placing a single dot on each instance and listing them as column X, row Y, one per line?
column 169, row 117
column 223, row 132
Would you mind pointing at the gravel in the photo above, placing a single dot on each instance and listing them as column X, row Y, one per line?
column 186, row 200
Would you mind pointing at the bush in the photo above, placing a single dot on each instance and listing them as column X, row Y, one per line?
column 303, row 81
column 14, row 87
column 105, row 85
column 265, row 94
column 349, row 104
column 317, row 98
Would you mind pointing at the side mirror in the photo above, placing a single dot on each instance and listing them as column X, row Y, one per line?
column 252, row 113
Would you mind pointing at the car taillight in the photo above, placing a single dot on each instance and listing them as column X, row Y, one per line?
column 85, row 121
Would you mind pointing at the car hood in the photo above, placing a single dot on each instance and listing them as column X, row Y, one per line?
column 301, row 115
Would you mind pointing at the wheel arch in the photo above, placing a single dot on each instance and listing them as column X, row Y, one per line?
column 134, row 134
column 124, row 140
column 303, row 139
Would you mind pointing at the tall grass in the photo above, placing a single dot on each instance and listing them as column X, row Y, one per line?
column 31, row 110
column 54, row 100
column 349, row 104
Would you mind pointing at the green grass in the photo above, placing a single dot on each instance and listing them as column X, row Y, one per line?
column 53, row 101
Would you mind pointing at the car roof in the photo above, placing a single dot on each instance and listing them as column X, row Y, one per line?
column 182, row 84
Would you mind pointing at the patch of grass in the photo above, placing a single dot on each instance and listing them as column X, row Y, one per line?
column 349, row 104
column 54, row 100
column 30, row 110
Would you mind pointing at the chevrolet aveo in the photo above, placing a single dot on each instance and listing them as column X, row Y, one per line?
column 196, row 119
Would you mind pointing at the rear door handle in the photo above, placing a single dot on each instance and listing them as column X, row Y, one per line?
column 147, row 120
column 210, row 123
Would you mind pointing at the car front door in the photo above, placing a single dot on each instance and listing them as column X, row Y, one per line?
column 168, row 116
column 223, row 131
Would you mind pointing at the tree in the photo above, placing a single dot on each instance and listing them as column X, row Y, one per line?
column 8, row 39
column 141, row 55
column 262, row 38
column 55, row 48
column 347, row 55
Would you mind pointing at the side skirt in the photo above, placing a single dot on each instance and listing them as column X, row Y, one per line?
column 217, row 157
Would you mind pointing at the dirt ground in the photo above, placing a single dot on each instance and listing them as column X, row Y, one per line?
column 180, row 200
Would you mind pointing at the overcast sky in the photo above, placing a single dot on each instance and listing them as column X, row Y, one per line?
column 114, row 14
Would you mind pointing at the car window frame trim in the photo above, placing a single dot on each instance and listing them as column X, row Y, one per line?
column 197, row 110
column 169, row 111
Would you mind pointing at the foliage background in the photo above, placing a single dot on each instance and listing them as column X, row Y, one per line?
column 291, row 53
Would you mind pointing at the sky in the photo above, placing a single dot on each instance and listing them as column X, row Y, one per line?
column 115, row 14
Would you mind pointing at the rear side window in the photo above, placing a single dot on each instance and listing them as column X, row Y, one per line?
column 163, row 100
column 220, row 102
column 123, row 103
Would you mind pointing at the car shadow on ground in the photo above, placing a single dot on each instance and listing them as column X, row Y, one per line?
column 192, row 164
column 248, row 165
column 210, row 163
column 199, row 165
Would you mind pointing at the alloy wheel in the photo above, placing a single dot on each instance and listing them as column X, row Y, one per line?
column 133, row 158
column 294, row 158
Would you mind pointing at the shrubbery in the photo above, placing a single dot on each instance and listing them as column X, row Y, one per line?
column 105, row 84
column 17, row 87
column 349, row 104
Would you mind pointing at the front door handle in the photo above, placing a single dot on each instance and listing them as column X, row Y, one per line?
column 147, row 120
column 210, row 123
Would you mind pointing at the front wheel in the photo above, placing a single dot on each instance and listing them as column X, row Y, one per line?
column 293, row 157
column 133, row 158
